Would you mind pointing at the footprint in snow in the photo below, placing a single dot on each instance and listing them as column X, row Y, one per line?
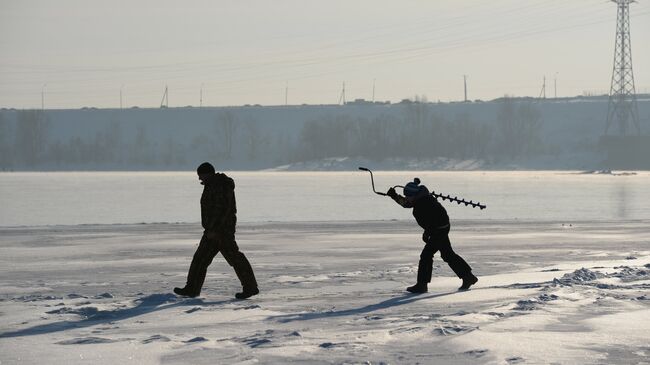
column 156, row 338
column 196, row 339
column 453, row 330
column 256, row 342
column 86, row 341
column 103, row 296
column 476, row 353
column 515, row 360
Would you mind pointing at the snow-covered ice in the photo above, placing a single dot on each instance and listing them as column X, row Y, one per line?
column 331, row 292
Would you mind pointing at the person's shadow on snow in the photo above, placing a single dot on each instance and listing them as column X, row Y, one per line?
column 388, row 303
column 93, row 316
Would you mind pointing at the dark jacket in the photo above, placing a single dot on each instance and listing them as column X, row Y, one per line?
column 218, row 207
column 429, row 214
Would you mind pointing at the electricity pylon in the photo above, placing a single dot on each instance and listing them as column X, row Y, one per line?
column 622, row 108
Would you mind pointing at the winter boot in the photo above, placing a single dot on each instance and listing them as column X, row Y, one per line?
column 468, row 281
column 417, row 288
column 247, row 293
column 186, row 292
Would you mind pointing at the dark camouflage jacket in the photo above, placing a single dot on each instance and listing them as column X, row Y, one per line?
column 428, row 212
column 218, row 207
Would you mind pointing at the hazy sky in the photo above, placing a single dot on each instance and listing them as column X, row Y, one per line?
column 81, row 53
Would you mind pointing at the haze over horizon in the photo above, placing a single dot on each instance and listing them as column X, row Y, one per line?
column 84, row 53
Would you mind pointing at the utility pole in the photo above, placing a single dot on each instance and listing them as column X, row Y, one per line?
column 164, row 103
column 373, row 90
column 555, row 86
column 622, row 107
column 121, row 87
column 286, row 94
column 542, row 93
column 43, row 96
column 201, row 97
column 465, row 86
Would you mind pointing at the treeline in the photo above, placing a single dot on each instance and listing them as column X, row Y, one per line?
column 28, row 142
column 514, row 133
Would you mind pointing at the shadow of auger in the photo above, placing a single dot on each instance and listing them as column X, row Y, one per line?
column 388, row 303
column 147, row 304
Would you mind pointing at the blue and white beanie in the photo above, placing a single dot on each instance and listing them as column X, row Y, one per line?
column 414, row 188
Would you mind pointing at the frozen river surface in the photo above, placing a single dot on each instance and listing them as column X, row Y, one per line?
column 563, row 261
column 70, row 198
column 331, row 293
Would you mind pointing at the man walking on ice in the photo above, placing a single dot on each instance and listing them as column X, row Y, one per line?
column 218, row 217
column 432, row 216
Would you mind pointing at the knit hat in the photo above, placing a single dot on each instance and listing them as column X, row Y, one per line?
column 414, row 188
column 205, row 168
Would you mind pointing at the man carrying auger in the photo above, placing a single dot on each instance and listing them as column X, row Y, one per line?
column 432, row 217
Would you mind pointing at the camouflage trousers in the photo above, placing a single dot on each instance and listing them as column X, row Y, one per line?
column 208, row 249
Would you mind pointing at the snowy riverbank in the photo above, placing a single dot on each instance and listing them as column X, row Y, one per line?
column 552, row 292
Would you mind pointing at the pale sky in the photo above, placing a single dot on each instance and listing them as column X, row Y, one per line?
column 81, row 53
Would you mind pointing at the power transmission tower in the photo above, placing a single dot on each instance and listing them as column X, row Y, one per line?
column 342, row 97
column 622, row 107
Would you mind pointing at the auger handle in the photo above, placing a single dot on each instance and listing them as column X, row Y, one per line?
column 372, row 180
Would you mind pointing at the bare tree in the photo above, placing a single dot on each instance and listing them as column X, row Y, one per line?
column 519, row 128
column 6, row 150
column 31, row 136
column 224, row 127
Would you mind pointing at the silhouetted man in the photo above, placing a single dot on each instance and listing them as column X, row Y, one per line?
column 218, row 217
column 432, row 216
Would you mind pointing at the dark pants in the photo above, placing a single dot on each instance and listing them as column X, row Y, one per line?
column 439, row 241
column 208, row 249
